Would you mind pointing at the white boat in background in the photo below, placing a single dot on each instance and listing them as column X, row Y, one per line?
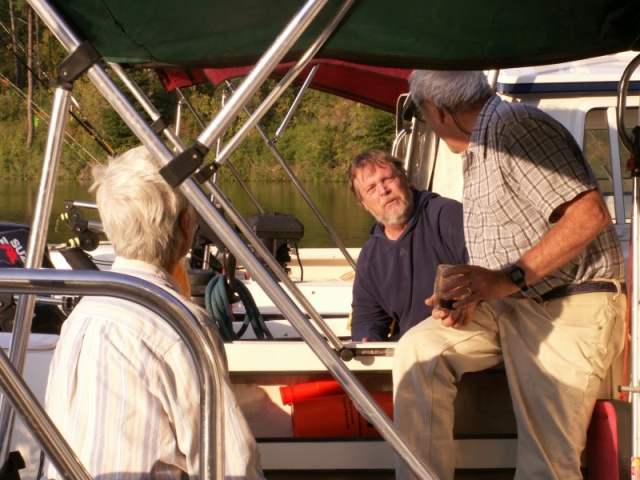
column 306, row 304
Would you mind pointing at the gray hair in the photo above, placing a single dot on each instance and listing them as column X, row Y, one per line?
column 452, row 91
column 369, row 160
column 139, row 210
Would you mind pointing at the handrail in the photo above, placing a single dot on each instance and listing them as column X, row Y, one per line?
column 623, row 86
column 22, row 399
column 199, row 341
column 634, row 253
column 396, row 142
column 37, row 241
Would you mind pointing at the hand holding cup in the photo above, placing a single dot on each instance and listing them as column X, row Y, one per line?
column 438, row 292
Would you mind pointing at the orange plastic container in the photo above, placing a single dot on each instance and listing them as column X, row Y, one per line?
column 302, row 391
column 385, row 400
column 335, row 416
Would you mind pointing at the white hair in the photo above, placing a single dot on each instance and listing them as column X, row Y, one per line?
column 452, row 91
column 138, row 208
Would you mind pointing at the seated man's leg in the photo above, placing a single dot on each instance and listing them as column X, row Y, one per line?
column 429, row 361
column 556, row 355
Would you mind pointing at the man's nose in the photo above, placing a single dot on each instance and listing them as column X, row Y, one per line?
column 384, row 189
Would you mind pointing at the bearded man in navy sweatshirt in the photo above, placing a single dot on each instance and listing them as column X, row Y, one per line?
column 415, row 231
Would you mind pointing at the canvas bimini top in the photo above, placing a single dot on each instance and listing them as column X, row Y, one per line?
column 470, row 34
column 370, row 54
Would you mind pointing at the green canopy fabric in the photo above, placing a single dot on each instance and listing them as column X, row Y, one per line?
column 443, row 34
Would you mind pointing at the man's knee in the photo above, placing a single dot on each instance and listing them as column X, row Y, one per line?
column 419, row 343
column 420, row 331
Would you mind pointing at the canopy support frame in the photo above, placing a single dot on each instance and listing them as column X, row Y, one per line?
column 192, row 154
column 283, row 163
column 362, row 399
column 35, row 253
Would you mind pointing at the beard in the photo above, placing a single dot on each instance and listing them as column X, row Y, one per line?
column 397, row 214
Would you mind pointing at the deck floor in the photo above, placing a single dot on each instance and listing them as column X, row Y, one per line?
column 467, row 475
column 501, row 474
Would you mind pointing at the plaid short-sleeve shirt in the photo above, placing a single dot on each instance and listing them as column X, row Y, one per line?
column 520, row 166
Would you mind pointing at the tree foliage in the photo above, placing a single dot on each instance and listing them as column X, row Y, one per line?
column 318, row 144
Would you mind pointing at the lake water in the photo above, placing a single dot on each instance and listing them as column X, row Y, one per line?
column 337, row 204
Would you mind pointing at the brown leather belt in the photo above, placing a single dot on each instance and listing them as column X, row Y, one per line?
column 586, row 287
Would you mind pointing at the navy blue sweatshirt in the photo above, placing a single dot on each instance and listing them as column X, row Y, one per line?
column 395, row 277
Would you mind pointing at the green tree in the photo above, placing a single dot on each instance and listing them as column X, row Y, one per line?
column 321, row 139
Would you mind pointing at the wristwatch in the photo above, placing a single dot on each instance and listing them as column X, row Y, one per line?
column 516, row 275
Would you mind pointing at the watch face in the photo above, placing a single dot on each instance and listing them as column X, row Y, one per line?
column 516, row 274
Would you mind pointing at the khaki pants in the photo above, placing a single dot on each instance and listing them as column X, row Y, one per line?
column 555, row 355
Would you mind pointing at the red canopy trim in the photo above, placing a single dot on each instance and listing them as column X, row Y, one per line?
column 377, row 87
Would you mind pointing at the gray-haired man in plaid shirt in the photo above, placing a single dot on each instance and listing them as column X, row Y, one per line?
column 542, row 293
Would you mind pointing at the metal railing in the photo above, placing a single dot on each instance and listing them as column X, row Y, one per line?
column 138, row 125
column 198, row 340
column 633, row 145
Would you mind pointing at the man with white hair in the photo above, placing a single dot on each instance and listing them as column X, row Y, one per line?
column 543, row 291
column 123, row 387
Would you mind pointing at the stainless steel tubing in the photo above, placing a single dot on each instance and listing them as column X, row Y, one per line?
column 202, row 347
column 35, row 253
column 138, row 125
column 361, row 397
column 287, row 118
column 143, row 100
column 623, row 86
column 82, row 204
column 230, row 166
column 635, row 323
column 290, row 76
column 276, row 153
column 262, row 70
column 396, row 142
column 635, row 256
column 40, row 425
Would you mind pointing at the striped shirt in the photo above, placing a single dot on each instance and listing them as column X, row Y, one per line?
column 520, row 166
column 123, row 391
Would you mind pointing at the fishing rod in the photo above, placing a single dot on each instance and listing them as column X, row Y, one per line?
column 74, row 111
column 42, row 113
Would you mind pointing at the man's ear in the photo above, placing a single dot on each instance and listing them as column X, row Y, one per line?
column 186, row 220
column 439, row 113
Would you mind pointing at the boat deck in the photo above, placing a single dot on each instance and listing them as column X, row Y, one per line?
column 506, row 474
